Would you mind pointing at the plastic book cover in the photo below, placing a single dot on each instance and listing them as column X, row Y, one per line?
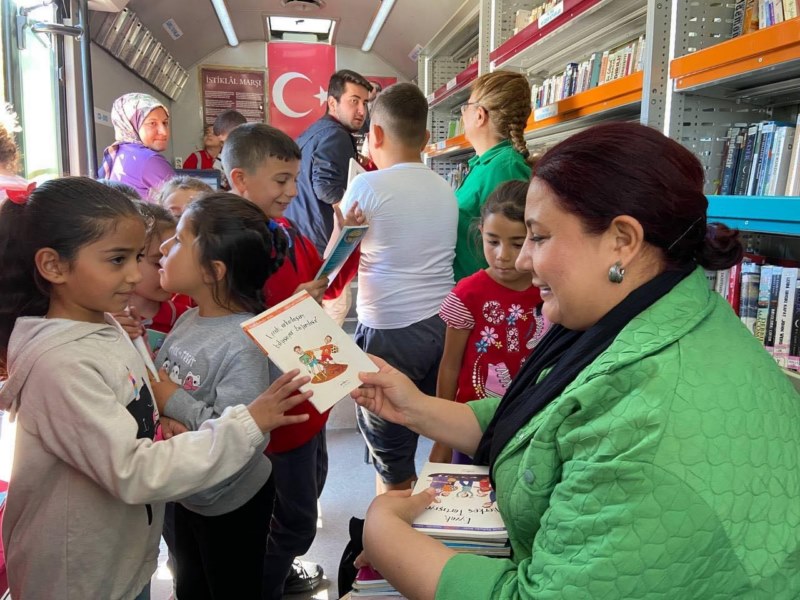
column 297, row 333
column 465, row 505
column 349, row 238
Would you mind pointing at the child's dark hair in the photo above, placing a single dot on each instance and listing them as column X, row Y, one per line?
column 227, row 120
column 233, row 231
column 63, row 214
column 126, row 189
column 403, row 111
column 157, row 220
column 249, row 145
column 507, row 199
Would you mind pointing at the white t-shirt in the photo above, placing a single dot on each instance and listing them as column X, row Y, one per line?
column 407, row 255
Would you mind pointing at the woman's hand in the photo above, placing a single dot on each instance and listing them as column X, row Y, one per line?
column 315, row 288
column 162, row 389
column 171, row 427
column 388, row 394
column 131, row 322
column 402, row 504
column 268, row 409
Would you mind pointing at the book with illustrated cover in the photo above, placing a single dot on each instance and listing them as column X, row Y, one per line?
column 465, row 506
column 349, row 238
column 297, row 333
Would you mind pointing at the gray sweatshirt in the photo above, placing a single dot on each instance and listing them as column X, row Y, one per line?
column 217, row 366
column 77, row 522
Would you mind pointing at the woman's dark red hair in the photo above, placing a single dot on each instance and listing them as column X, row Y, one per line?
column 629, row 169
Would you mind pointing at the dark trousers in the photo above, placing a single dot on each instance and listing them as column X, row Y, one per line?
column 298, row 476
column 214, row 555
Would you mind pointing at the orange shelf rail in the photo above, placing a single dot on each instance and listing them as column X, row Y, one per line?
column 763, row 48
column 614, row 94
column 448, row 146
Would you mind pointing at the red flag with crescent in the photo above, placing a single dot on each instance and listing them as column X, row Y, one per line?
column 298, row 83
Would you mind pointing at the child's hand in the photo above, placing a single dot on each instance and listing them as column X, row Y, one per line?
column 163, row 389
column 269, row 408
column 171, row 427
column 131, row 322
column 354, row 216
column 315, row 288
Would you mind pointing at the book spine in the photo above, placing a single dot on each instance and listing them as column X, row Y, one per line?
column 729, row 161
column 722, row 282
column 748, row 302
column 604, row 67
column 782, row 151
column 789, row 9
column 777, row 9
column 793, row 175
column 733, row 295
column 746, row 162
column 794, row 342
column 785, row 310
column 760, row 326
column 750, row 16
column 774, row 293
column 738, row 18
column 759, row 157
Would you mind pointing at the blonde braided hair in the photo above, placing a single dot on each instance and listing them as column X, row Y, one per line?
column 507, row 98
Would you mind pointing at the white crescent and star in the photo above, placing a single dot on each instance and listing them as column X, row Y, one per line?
column 280, row 101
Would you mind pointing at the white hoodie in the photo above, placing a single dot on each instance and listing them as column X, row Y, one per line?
column 77, row 524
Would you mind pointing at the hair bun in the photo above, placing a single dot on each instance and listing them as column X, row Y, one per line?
column 721, row 248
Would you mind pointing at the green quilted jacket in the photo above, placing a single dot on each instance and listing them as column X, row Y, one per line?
column 668, row 469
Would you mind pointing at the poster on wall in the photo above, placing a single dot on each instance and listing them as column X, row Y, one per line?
column 298, row 83
column 226, row 88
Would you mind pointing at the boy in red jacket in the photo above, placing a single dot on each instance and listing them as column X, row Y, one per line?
column 262, row 164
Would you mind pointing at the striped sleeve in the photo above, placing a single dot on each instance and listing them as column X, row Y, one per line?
column 455, row 314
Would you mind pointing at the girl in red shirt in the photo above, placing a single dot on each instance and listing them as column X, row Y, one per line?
column 493, row 317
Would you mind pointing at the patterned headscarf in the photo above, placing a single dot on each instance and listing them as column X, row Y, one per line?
column 127, row 115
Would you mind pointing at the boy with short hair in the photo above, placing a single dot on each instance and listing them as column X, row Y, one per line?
column 406, row 267
column 226, row 121
column 262, row 163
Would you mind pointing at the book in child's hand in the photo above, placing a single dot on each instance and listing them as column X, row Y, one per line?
column 298, row 334
column 349, row 238
column 465, row 506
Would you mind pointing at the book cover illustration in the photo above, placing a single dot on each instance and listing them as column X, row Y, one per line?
column 465, row 504
column 349, row 238
column 297, row 333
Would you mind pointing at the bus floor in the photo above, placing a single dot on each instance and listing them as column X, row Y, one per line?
column 348, row 491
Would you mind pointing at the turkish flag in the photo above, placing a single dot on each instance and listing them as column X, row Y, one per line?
column 298, row 84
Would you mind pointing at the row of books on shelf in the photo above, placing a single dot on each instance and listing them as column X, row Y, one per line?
column 761, row 159
column 455, row 127
column 599, row 68
column 752, row 15
column 456, row 177
column 463, row 516
column 767, row 299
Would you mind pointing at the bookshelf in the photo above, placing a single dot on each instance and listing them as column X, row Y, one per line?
column 775, row 215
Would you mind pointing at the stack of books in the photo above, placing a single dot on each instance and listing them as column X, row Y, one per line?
column 463, row 516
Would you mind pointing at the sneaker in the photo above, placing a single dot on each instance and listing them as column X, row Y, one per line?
column 303, row 577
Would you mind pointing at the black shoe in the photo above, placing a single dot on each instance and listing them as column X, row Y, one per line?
column 303, row 577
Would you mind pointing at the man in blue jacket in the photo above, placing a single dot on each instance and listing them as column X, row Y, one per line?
column 327, row 147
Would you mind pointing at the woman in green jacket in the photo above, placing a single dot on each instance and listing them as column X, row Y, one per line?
column 649, row 446
column 494, row 123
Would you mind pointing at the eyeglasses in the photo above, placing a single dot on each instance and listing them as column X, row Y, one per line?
column 476, row 103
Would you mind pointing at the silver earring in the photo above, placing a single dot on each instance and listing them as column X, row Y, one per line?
column 616, row 273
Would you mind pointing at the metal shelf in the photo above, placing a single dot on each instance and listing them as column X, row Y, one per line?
column 455, row 91
column 583, row 26
column 779, row 215
column 762, row 67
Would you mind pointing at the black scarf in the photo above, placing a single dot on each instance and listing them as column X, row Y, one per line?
column 568, row 353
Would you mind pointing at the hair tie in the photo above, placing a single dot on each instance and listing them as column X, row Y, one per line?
column 18, row 196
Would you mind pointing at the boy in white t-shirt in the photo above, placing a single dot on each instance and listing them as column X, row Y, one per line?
column 406, row 265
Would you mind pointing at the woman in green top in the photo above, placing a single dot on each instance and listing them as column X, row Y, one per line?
column 494, row 123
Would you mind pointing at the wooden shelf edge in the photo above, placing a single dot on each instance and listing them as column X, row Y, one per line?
column 620, row 92
column 763, row 48
column 448, row 146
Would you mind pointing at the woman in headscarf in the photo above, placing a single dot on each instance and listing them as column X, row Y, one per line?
column 141, row 130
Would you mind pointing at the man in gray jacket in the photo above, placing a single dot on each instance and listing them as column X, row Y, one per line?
column 327, row 147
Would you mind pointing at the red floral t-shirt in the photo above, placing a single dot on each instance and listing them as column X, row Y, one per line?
column 506, row 325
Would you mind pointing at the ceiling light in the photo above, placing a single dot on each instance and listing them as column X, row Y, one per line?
column 377, row 24
column 225, row 22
